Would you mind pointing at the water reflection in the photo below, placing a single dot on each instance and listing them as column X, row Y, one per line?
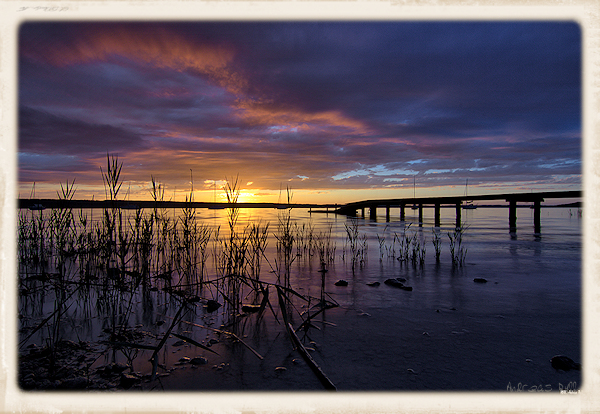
column 528, row 265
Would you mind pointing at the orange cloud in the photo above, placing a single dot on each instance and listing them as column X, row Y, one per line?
column 165, row 49
column 159, row 48
column 288, row 118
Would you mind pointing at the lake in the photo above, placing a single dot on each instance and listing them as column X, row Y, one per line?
column 489, row 317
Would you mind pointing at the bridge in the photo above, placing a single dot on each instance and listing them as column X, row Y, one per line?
column 419, row 203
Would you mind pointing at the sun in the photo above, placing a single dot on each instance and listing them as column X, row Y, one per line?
column 247, row 197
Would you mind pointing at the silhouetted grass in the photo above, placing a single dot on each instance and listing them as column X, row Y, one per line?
column 114, row 268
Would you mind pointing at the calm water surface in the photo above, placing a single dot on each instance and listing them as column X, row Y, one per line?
column 448, row 333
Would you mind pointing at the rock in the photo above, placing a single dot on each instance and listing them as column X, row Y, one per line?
column 178, row 343
column 564, row 363
column 279, row 369
column 29, row 377
column 398, row 283
column 394, row 282
column 199, row 361
column 184, row 359
column 212, row 305
column 479, row 280
column 160, row 323
column 128, row 381
column 28, row 384
column 221, row 366
column 250, row 308
column 118, row 367
column 68, row 344
column 373, row 284
column 341, row 282
column 44, row 384
column 77, row 383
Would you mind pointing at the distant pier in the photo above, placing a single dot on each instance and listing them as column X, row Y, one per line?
column 351, row 209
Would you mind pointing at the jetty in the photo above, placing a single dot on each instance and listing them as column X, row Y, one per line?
column 352, row 209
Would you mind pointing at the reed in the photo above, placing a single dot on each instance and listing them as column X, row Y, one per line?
column 258, row 235
column 325, row 246
column 381, row 242
column 285, row 243
column 405, row 243
column 357, row 244
column 437, row 243
column 457, row 251
column 418, row 250
column 62, row 227
column 111, row 177
column 116, row 261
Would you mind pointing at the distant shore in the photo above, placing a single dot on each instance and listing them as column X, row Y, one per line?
column 145, row 204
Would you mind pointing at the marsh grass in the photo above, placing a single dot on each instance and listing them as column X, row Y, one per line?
column 124, row 269
column 458, row 252
column 356, row 243
column 437, row 243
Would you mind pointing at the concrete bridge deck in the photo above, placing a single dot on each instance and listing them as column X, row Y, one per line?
column 419, row 203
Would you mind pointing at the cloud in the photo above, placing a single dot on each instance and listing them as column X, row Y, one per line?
column 149, row 44
column 348, row 104
column 42, row 132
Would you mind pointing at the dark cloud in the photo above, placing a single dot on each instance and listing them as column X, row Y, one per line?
column 43, row 133
column 346, row 104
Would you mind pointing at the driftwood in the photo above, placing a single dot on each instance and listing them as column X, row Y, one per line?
column 310, row 361
column 296, row 341
column 154, row 357
column 259, row 356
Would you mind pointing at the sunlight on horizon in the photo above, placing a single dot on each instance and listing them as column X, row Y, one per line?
column 141, row 192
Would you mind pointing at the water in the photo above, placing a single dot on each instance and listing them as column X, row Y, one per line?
column 448, row 333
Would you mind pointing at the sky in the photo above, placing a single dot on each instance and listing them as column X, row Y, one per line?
column 334, row 111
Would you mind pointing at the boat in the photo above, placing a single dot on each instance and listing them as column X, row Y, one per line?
column 414, row 206
column 129, row 205
column 35, row 207
column 215, row 206
column 283, row 206
column 468, row 203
